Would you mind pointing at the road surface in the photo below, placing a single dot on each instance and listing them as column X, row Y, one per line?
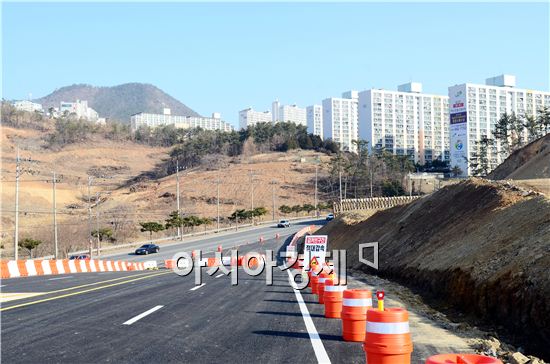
column 160, row 317
column 83, row 320
column 227, row 240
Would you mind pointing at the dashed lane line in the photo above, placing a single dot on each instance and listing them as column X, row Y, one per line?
column 142, row 315
column 197, row 287
column 56, row 279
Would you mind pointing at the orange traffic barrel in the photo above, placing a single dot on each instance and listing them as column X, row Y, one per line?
column 462, row 359
column 321, row 287
column 333, row 299
column 170, row 263
column 314, row 279
column 355, row 303
column 388, row 338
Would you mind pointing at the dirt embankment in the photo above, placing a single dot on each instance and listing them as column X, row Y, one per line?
column 481, row 247
column 529, row 162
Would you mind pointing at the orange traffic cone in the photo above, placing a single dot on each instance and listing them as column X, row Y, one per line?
column 388, row 338
column 333, row 299
column 355, row 303
column 314, row 279
column 321, row 287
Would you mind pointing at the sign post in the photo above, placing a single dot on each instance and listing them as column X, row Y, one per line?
column 315, row 249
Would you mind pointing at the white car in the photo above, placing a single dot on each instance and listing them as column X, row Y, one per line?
column 330, row 217
column 283, row 223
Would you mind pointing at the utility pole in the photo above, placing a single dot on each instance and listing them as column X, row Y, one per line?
column 90, row 241
column 340, row 183
column 218, row 203
column 252, row 195
column 97, row 223
column 55, row 218
column 16, row 237
column 273, row 182
column 316, row 173
column 178, row 194
column 371, row 182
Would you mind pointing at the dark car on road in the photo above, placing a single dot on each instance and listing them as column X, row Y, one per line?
column 147, row 248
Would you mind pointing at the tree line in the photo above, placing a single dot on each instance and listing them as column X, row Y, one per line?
column 511, row 132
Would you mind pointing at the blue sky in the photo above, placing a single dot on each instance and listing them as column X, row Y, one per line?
column 226, row 57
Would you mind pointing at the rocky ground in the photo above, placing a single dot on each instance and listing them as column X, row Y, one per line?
column 442, row 329
column 482, row 248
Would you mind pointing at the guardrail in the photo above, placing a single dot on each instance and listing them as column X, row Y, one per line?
column 190, row 235
column 374, row 203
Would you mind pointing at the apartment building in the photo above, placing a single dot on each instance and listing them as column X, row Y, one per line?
column 288, row 113
column 26, row 105
column 185, row 122
column 249, row 117
column 476, row 108
column 340, row 120
column 406, row 122
column 314, row 117
column 80, row 108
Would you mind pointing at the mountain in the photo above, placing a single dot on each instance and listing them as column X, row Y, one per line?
column 118, row 102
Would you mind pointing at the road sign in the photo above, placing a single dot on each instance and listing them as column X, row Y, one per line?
column 315, row 247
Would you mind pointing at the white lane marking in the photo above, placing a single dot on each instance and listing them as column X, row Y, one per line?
column 220, row 275
column 197, row 287
column 2, row 285
column 54, row 279
column 316, row 342
column 142, row 315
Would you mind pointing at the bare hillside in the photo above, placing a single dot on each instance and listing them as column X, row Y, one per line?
column 286, row 177
column 118, row 102
column 482, row 247
column 529, row 162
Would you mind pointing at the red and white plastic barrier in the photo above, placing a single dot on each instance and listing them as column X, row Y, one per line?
column 38, row 267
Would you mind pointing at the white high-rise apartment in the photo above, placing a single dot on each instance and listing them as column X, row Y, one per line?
column 475, row 109
column 315, row 120
column 249, row 117
column 275, row 105
column 292, row 114
column 340, row 120
column 406, row 122
column 185, row 122
column 288, row 113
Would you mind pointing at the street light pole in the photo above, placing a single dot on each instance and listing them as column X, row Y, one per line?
column 316, row 209
column 90, row 241
column 218, row 203
column 273, row 199
column 55, row 219
column 178, row 194
column 97, row 223
column 16, row 237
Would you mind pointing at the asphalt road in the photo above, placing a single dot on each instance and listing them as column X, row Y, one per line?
column 82, row 320
column 228, row 240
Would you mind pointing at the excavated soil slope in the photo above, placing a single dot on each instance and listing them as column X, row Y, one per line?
column 531, row 161
column 481, row 246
